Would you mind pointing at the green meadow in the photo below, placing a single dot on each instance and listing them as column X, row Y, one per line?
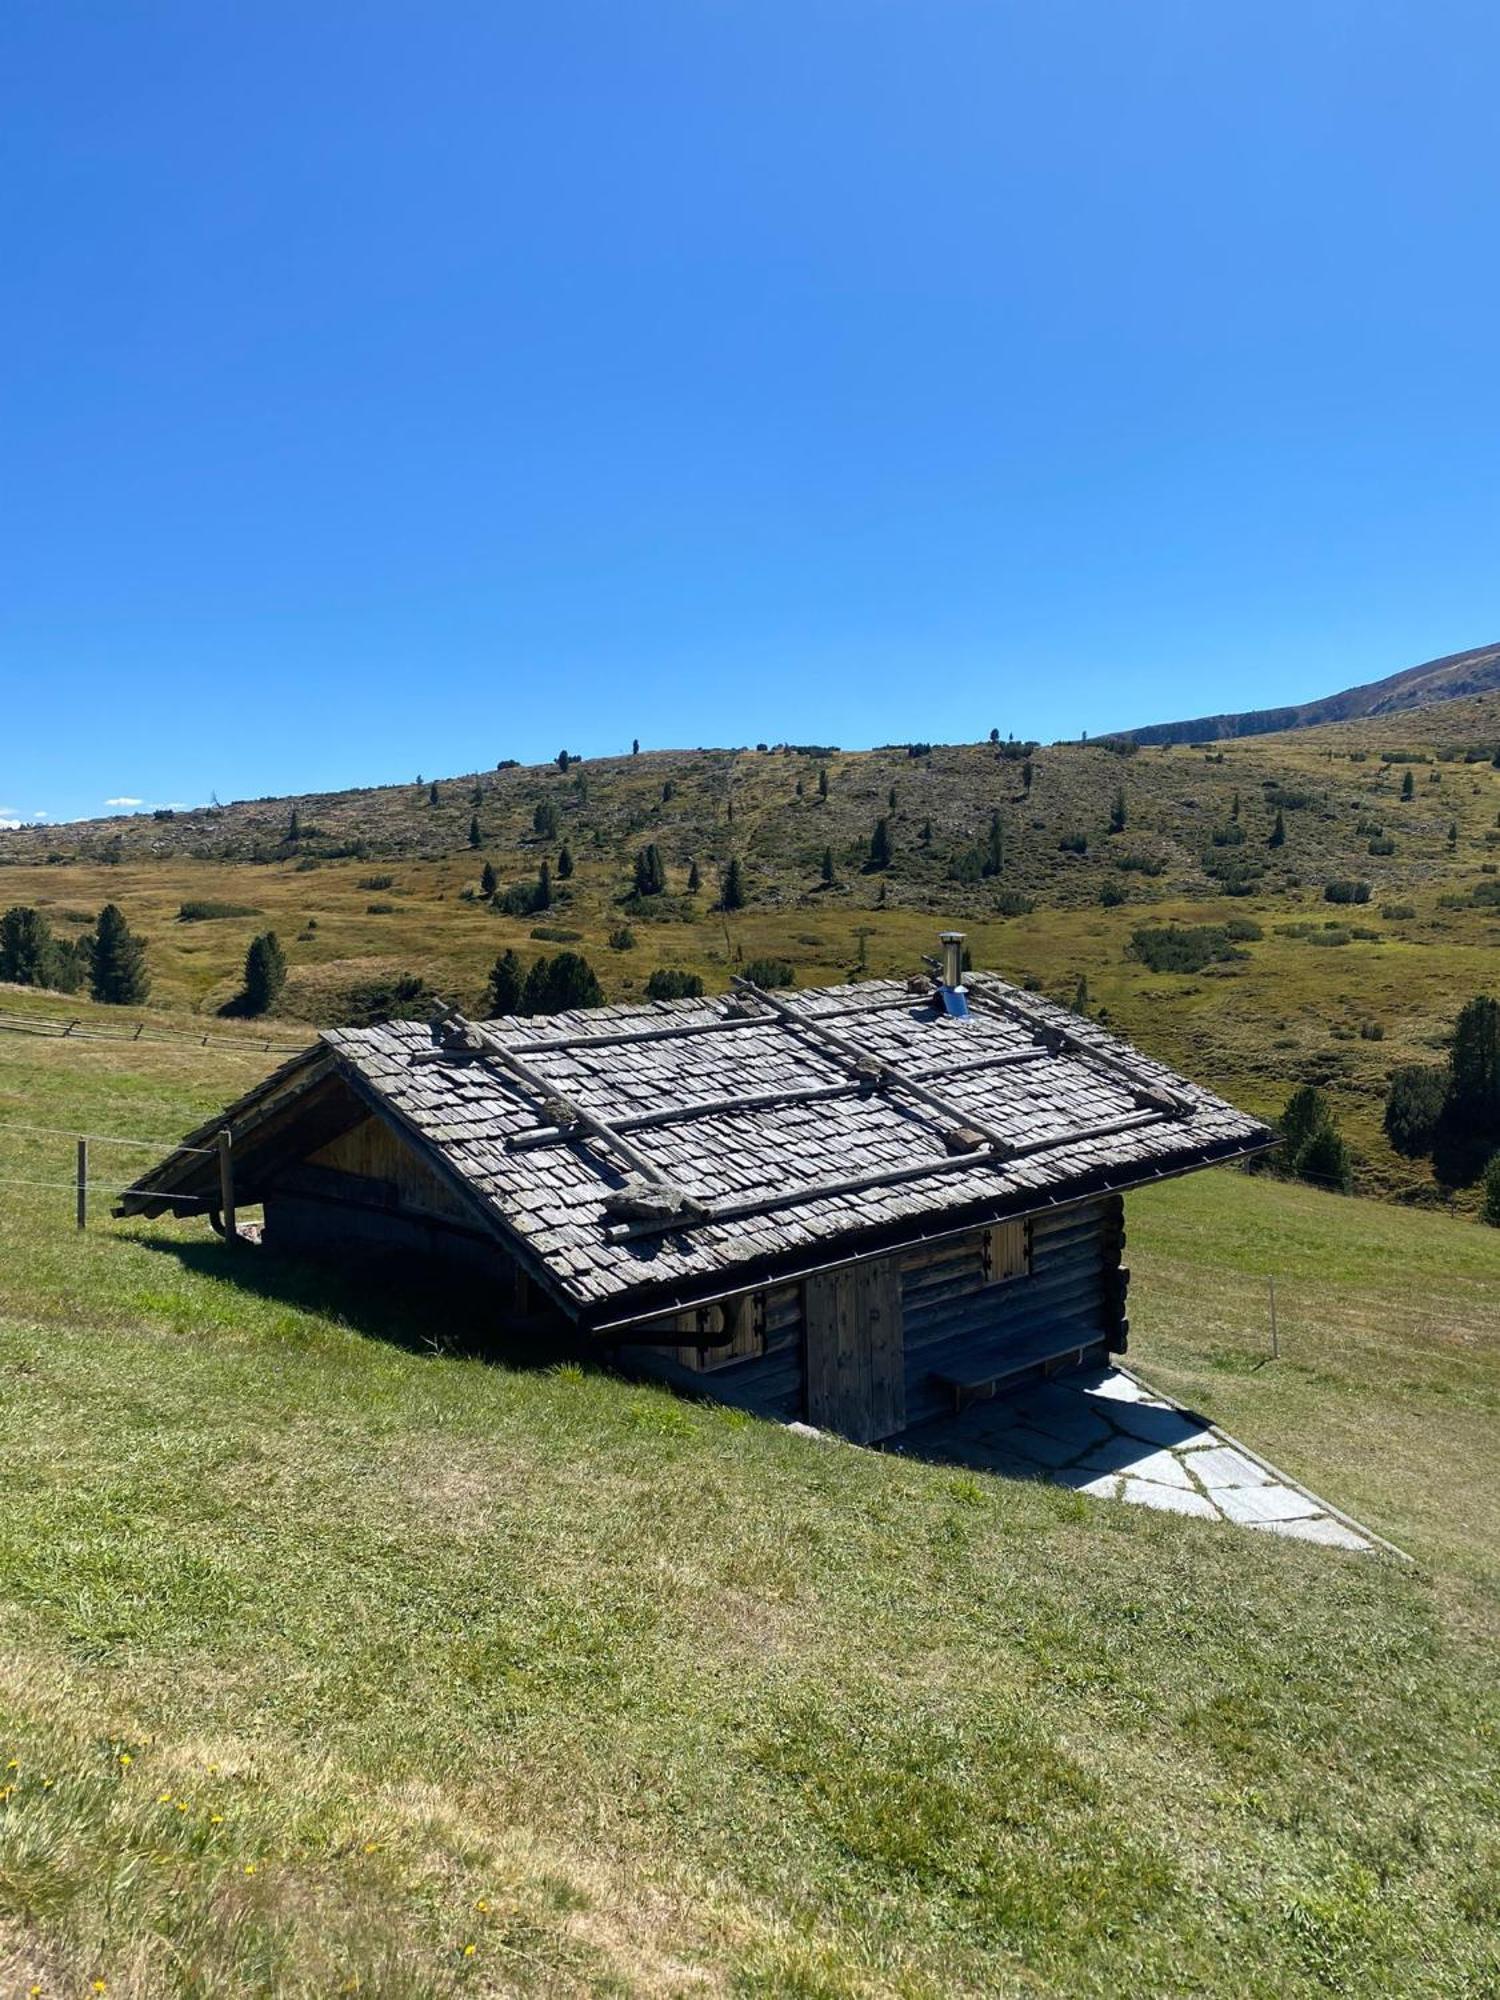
column 347, row 1651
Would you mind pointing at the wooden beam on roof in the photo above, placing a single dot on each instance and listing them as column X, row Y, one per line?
column 1053, row 1032
column 884, row 1075
column 890, row 1177
column 565, row 1112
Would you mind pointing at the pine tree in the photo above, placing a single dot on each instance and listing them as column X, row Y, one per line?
column 265, row 973
column 542, row 895
column 433, row 795
column 1081, row 994
column 476, row 797
column 544, row 820
column 880, row 845
column 506, row 985
column 474, row 833
column 1452, row 835
column 554, row 984
column 994, row 848
column 828, row 876
column 563, row 760
column 1474, row 1067
column 117, row 973
column 1118, row 814
column 1278, row 831
column 294, row 827
column 564, row 862
column 1234, row 806
column 695, row 878
column 732, row 894
column 25, row 946
column 650, row 872
column 489, row 881
column 635, row 746
column 890, row 798
column 1490, row 1210
column 1408, row 785
column 823, row 782
column 926, row 834
column 1028, row 772
column 994, row 736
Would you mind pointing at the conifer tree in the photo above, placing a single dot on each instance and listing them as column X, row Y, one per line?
column 890, row 798
column 1408, row 786
column 25, row 946
column 294, row 827
column 433, row 795
column 1452, row 835
column 1278, row 831
column 880, row 845
column 994, row 736
column 476, row 797
column 732, row 893
column 828, row 876
column 265, row 973
column 1118, row 814
column 544, row 820
column 650, row 872
column 489, row 881
column 994, row 848
column 695, row 878
column 117, row 973
column 1234, row 806
column 823, row 782
column 1474, row 1067
column 506, row 984
column 635, row 746
column 474, row 833
column 542, row 895
column 564, row 862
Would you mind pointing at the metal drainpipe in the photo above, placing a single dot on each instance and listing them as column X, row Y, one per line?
column 953, row 957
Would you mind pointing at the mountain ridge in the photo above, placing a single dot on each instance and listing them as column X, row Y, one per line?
column 1448, row 678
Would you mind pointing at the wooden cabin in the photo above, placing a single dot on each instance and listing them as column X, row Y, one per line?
column 858, row 1206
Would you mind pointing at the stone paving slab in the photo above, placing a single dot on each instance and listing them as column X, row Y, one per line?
column 1105, row 1433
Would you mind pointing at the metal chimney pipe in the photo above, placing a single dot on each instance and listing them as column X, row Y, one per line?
column 953, row 957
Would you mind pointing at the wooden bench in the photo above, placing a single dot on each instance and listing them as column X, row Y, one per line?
column 980, row 1374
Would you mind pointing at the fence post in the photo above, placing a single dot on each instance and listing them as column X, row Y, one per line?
column 226, row 1186
column 83, row 1183
column 1275, row 1341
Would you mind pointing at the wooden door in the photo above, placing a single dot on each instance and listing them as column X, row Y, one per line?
column 856, row 1357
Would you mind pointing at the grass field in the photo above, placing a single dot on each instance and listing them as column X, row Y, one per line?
column 341, row 1654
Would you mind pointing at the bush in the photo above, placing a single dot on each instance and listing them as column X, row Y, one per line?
column 1382, row 844
column 1326, row 1161
column 1073, row 843
column 670, row 982
column 1183, row 947
column 555, row 934
column 1414, row 1106
column 622, row 938
column 380, row 909
column 1346, row 891
column 1397, row 913
column 771, row 972
column 377, row 881
column 403, row 996
column 202, row 910
column 1490, row 1185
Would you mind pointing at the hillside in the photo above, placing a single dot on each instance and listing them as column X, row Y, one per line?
column 383, row 884
column 347, row 1655
column 1447, row 679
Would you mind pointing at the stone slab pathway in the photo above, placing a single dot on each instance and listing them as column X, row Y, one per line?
column 1103, row 1432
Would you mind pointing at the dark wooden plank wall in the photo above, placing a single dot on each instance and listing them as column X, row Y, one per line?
column 770, row 1383
column 951, row 1312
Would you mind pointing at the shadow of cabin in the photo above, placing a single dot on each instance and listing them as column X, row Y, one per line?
column 862, row 1207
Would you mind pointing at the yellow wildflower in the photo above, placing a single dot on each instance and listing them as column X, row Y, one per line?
column 372, row 1847
column 216, row 1819
column 249, row 1867
column 14, row 1764
column 481, row 1906
column 468, row 1951
column 164, row 1798
column 127, row 1759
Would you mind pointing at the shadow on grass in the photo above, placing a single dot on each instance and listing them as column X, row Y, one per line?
column 418, row 1304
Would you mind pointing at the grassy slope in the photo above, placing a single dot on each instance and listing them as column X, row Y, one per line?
column 410, row 1652
column 1291, row 1011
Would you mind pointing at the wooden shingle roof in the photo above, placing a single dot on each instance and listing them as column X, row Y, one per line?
column 766, row 1134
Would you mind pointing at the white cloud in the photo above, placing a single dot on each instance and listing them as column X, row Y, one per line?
column 9, row 823
column 124, row 802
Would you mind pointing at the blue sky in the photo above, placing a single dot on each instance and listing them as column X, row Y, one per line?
column 395, row 388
